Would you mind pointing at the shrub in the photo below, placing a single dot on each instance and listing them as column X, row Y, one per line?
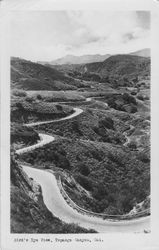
column 106, row 122
column 19, row 93
column 132, row 145
column 133, row 93
column 62, row 161
column 59, row 107
column 84, row 169
column 76, row 127
column 19, row 105
column 29, row 99
column 140, row 97
column 84, row 181
column 129, row 99
column 99, row 192
column 39, row 97
column 144, row 157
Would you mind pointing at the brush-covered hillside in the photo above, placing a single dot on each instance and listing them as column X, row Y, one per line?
column 28, row 75
column 120, row 66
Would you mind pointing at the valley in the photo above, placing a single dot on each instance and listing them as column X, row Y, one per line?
column 80, row 134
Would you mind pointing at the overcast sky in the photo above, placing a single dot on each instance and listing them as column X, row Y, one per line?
column 47, row 35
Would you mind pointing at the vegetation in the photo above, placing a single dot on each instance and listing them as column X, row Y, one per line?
column 110, row 173
column 123, row 102
column 29, row 110
column 27, row 75
column 119, row 67
column 106, row 174
column 30, row 216
column 21, row 135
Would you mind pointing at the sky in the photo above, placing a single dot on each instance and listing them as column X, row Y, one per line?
column 48, row 35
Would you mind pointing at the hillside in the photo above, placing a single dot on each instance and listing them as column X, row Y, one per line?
column 28, row 211
column 27, row 75
column 119, row 66
column 110, row 173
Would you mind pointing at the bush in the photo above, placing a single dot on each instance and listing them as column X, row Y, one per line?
column 132, row 145
column 84, row 181
column 19, row 106
column 129, row 99
column 100, row 192
column 84, row 169
column 59, row 107
column 106, row 122
column 19, row 93
column 76, row 127
column 140, row 97
column 39, row 97
column 133, row 93
column 29, row 99
column 144, row 157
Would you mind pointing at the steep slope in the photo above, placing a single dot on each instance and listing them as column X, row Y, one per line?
column 144, row 52
column 32, row 76
column 28, row 211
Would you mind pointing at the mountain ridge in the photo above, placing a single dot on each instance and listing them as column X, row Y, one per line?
column 83, row 59
column 144, row 52
column 72, row 59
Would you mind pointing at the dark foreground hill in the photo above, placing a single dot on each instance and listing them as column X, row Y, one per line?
column 33, row 76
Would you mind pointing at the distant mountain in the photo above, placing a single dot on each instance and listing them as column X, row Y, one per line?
column 119, row 66
column 33, row 76
column 144, row 52
column 71, row 59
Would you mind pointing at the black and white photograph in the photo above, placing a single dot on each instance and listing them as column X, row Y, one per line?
column 80, row 122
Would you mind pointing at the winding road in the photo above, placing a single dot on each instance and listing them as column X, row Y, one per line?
column 44, row 139
column 60, row 208
column 77, row 111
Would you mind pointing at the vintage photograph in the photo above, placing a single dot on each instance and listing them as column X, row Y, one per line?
column 80, row 122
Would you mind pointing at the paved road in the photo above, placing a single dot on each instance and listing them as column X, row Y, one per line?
column 77, row 111
column 44, row 139
column 59, row 207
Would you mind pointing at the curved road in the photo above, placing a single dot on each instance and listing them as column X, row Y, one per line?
column 44, row 139
column 59, row 207
column 77, row 111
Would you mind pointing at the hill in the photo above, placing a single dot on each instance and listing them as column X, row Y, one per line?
column 119, row 66
column 144, row 52
column 27, row 75
column 71, row 59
